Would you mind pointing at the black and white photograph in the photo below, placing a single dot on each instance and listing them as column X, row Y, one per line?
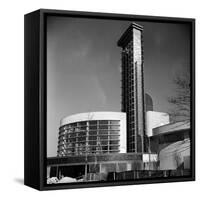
column 118, row 100
column 98, row 99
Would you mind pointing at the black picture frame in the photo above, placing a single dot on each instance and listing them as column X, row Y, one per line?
column 35, row 97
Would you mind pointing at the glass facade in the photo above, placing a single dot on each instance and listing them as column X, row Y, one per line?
column 133, row 86
column 89, row 137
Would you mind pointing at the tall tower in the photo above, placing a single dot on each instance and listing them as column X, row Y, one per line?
column 131, row 43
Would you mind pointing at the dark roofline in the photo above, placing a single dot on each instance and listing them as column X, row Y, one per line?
column 170, row 132
column 127, row 35
column 100, row 158
column 180, row 123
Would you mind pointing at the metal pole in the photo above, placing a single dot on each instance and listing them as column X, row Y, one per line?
column 86, row 165
column 149, row 150
column 57, row 171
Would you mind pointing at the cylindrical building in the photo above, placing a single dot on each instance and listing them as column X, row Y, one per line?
column 92, row 133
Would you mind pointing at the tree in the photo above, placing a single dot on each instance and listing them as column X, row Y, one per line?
column 181, row 100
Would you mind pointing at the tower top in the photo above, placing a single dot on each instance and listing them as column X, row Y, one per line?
column 127, row 35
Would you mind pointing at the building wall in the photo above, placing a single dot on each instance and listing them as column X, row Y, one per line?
column 177, row 126
column 99, row 171
column 94, row 132
column 133, row 86
column 138, row 64
column 148, row 103
column 154, row 120
column 172, row 144
column 175, row 155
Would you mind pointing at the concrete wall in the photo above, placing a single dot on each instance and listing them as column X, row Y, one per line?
column 137, row 59
column 155, row 119
column 173, row 156
column 121, row 116
column 177, row 126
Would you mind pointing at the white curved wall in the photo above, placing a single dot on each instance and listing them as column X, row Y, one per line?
column 101, row 116
column 174, row 154
column 93, row 116
column 155, row 119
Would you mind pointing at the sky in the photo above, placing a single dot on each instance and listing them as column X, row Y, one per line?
column 84, row 66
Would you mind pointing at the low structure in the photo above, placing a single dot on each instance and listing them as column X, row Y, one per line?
column 172, row 144
column 99, row 165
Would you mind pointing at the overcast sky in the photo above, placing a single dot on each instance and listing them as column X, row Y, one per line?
column 83, row 66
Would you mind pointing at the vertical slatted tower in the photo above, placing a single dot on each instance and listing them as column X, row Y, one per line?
column 131, row 43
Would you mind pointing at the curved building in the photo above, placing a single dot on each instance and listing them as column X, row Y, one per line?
column 92, row 133
column 148, row 102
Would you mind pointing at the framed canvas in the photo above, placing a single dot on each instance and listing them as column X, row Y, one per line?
column 109, row 99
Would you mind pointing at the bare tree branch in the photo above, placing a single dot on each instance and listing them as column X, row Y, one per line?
column 181, row 101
